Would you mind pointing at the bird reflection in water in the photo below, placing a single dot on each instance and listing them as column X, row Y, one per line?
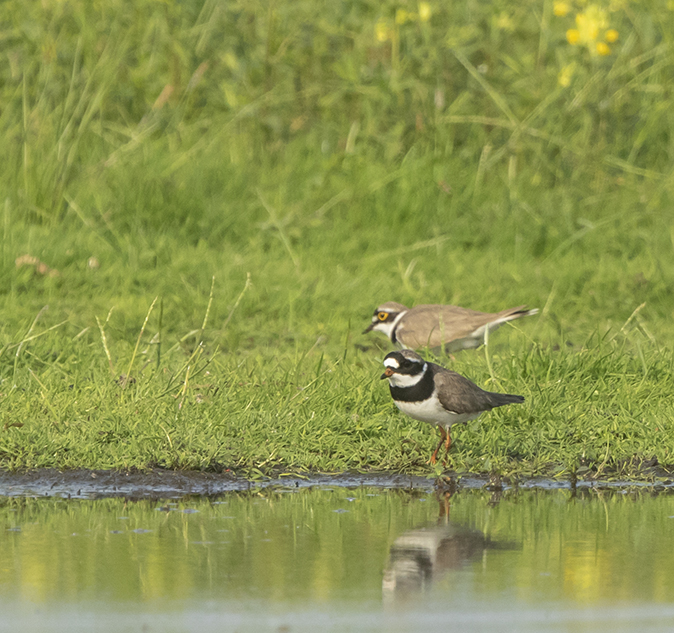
column 421, row 556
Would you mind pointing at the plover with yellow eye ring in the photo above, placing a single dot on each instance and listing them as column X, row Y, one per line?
column 439, row 326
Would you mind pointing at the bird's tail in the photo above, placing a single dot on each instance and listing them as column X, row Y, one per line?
column 499, row 399
column 515, row 313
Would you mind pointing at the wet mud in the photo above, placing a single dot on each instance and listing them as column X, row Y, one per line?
column 93, row 484
column 164, row 484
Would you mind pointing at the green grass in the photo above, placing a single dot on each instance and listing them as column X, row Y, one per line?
column 299, row 173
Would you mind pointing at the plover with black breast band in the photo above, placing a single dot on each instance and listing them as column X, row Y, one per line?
column 430, row 393
column 439, row 326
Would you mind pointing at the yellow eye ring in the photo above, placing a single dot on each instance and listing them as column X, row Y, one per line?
column 382, row 316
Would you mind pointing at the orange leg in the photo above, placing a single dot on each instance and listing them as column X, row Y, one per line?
column 448, row 443
column 443, row 436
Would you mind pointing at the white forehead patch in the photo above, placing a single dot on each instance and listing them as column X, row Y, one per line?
column 392, row 363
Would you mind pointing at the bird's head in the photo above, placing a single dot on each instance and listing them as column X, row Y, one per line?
column 403, row 368
column 385, row 317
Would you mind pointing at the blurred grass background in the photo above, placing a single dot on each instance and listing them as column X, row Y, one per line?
column 271, row 171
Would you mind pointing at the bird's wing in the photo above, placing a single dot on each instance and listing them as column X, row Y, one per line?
column 435, row 325
column 458, row 394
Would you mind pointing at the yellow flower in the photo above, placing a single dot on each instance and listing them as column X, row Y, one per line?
column 424, row 11
column 611, row 35
column 401, row 16
column 588, row 28
column 603, row 48
column 381, row 31
column 564, row 77
column 572, row 36
column 561, row 8
column 598, row 15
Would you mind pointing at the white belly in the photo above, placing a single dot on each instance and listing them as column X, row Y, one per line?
column 431, row 411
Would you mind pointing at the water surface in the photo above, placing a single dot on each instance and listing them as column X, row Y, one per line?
column 338, row 559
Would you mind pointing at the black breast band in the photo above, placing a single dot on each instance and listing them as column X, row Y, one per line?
column 416, row 393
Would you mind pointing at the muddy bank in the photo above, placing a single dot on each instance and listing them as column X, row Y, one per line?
column 92, row 484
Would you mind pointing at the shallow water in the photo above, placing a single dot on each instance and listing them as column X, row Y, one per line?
column 340, row 559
